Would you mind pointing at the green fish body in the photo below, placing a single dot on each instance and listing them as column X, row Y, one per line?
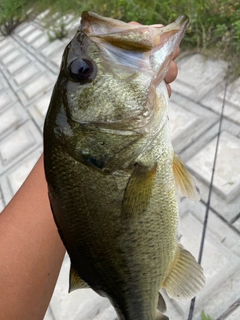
column 113, row 177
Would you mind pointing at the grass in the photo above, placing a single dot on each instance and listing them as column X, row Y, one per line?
column 12, row 13
column 205, row 317
column 214, row 28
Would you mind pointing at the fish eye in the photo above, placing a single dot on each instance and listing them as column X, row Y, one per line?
column 82, row 69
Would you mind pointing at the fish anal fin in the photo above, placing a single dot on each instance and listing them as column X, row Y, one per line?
column 185, row 182
column 161, row 303
column 161, row 316
column 75, row 282
column 186, row 277
column 138, row 191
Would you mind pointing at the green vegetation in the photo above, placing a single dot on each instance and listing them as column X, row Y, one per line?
column 214, row 28
column 205, row 317
column 58, row 16
column 12, row 13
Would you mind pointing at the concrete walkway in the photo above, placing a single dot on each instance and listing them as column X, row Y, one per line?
column 29, row 67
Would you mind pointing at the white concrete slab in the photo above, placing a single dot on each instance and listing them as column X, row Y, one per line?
column 235, row 315
column 227, row 172
column 37, row 88
column 214, row 101
column 57, row 59
column 189, row 123
column 18, row 64
column 6, row 47
column 38, row 109
column 181, row 120
column 11, row 56
column 18, row 144
column 13, row 178
column 7, row 98
column 3, row 83
column 40, row 42
column 26, row 30
column 52, row 48
column 12, row 118
column 35, row 34
column 2, row 202
column 26, row 75
column 48, row 315
column 236, row 224
column 198, row 75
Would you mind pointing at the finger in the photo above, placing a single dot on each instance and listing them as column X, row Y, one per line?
column 152, row 25
column 176, row 53
column 169, row 90
column 157, row 25
column 172, row 72
column 135, row 23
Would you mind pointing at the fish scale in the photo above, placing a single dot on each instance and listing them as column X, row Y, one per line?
column 113, row 177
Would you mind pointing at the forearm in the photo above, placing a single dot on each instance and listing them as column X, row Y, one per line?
column 31, row 251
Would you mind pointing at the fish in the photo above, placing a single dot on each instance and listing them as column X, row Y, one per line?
column 114, row 180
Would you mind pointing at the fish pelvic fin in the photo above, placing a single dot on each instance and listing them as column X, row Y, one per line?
column 138, row 191
column 75, row 282
column 185, row 182
column 186, row 277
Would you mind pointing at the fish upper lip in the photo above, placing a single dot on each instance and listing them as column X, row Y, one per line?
column 119, row 35
column 183, row 19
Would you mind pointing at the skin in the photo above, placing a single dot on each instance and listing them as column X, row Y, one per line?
column 31, row 250
column 173, row 69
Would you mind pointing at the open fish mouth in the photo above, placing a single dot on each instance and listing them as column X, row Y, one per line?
column 136, row 48
column 133, row 53
column 126, row 97
column 138, row 38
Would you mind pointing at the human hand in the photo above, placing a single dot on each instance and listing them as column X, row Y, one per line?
column 173, row 69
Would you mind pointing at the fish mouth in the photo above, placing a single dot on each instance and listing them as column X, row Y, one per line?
column 134, row 49
column 182, row 20
column 138, row 38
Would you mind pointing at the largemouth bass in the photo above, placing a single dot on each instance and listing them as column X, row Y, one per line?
column 113, row 176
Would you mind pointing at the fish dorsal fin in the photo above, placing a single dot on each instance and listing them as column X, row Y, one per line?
column 75, row 281
column 186, row 277
column 161, row 303
column 138, row 191
column 184, row 180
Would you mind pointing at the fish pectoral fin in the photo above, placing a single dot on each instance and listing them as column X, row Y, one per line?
column 75, row 282
column 138, row 191
column 186, row 277
column 185, row 182
column 161, row 303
